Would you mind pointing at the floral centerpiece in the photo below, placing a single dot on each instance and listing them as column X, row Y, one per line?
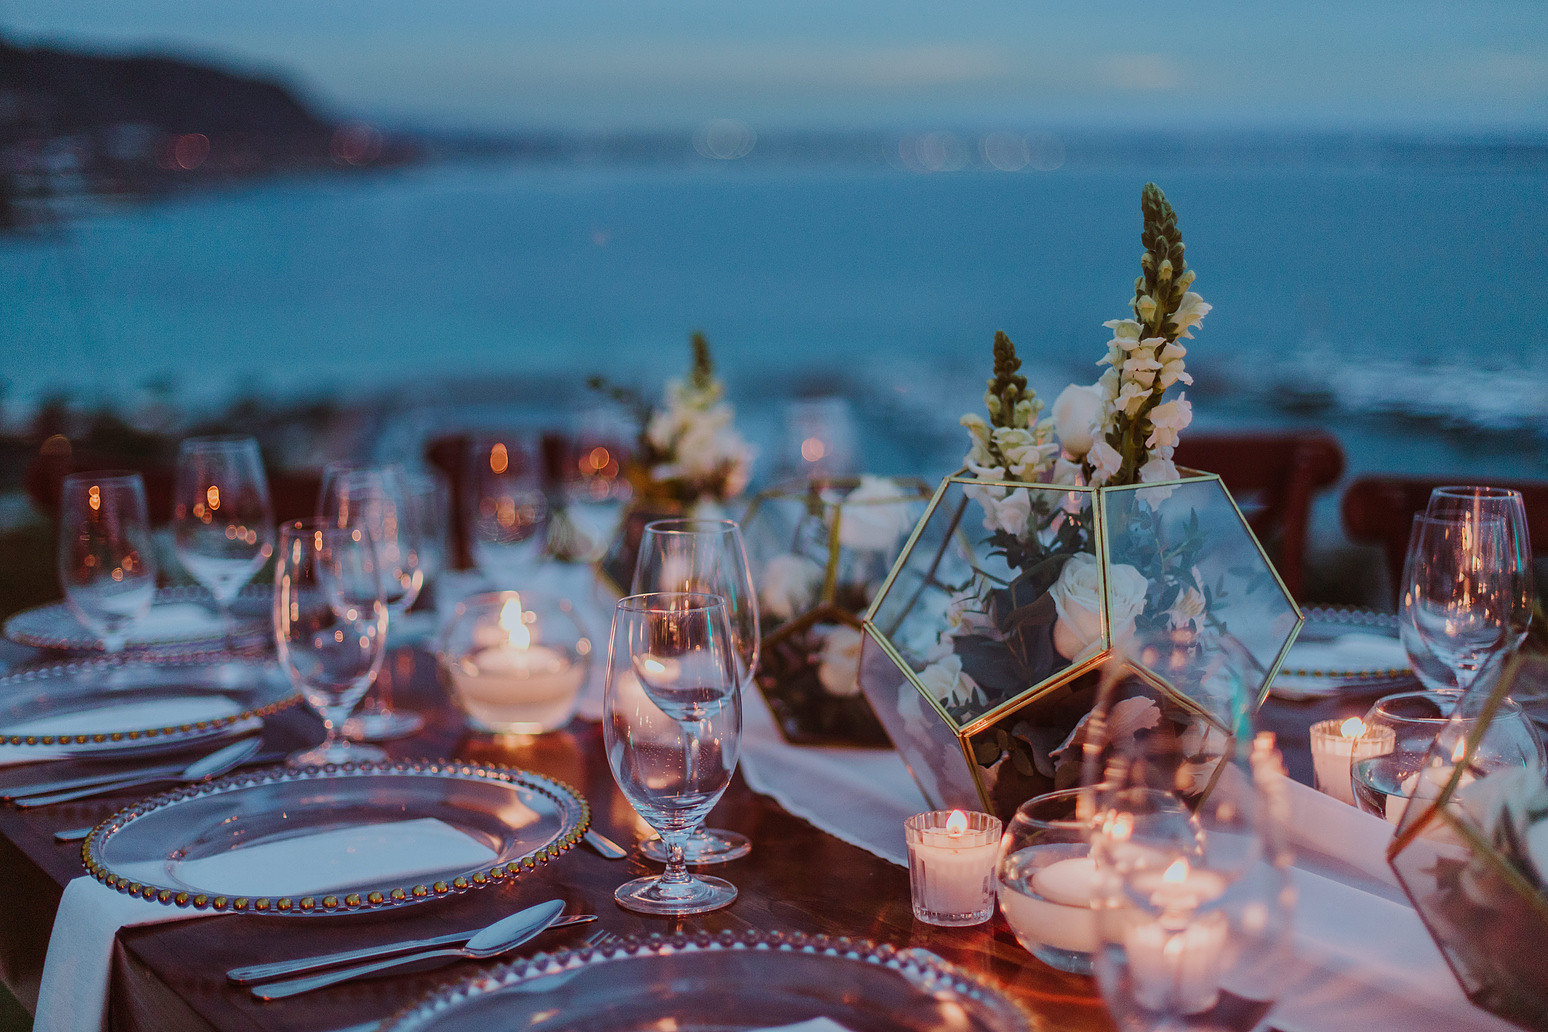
column 819, row 550
column 1471, row 847
column 689, row 458
column 1063, row 539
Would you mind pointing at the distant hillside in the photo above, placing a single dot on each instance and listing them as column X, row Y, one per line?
column 84, row 122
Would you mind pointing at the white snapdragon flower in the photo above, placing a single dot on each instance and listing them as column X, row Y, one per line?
column 1190, row 313
column 1157, row 470
column 1005, row 508
column 1141, row 368
column 789, row 586
column 1105, row 461
column 1168, row 420
column 1131, row 397
column 1188, row 610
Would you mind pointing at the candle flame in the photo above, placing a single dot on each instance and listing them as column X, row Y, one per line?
column 511, row 623
column 1354, row 727
column 1456, row 754
column 1176, row 872
column 956, row 824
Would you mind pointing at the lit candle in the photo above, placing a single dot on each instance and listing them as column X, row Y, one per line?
column 1175, row 961
column 511, row 685
column 1336, row 745
column 1052, row 907
column 951, row 866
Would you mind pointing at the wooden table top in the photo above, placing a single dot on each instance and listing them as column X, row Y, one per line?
column 170, row 977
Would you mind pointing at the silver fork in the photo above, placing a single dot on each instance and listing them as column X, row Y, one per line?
column 604, row 938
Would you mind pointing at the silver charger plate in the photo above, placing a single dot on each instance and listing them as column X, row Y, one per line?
column 180, row 618
column 728, row 982
column 127, row 704
column 336, row 840
column 1308, row 672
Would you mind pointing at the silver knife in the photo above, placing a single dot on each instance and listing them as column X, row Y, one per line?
column 305, row 965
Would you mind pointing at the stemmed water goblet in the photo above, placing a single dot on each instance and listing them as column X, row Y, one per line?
column 1458, row 597
column 505, row 510
column 374, row 498
column 1480, row 503
column 704, row 556
column 223, row 523
column 330, row 627
column 671, row 724
column 107, row 560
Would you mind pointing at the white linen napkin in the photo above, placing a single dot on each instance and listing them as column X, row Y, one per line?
column 74, row 992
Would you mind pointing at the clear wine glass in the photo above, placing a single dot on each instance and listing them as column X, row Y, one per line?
column 1457, row 597
column 223, row 523
column 593, row 485
column 505, row 510
column 330, row 626
column 672, row 724
column 374, row 498
column 704, row 556
column 107, row 559
column 1483, row 502
column 427, row 508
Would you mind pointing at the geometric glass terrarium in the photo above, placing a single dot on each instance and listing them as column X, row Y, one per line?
column 982, row 654
column 1471, row 846
column 820, row 549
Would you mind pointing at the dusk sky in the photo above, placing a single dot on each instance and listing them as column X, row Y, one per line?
column 858, row 63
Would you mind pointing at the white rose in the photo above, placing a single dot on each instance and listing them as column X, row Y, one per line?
column 1077, row 415
column 1077, row 597
column 789, row 586
column 874, row 516
column 839, row 668
column 946, row 682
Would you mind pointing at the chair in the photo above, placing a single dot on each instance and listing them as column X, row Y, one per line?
column 293, row 494
column 1379, row 510
column 1273, row 476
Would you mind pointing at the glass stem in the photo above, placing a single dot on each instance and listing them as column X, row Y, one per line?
column 676, row 872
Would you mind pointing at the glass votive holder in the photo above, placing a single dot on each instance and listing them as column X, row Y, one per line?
column 1046, row 879
column 514, row 661
column 1336, row 745
column 951, row 858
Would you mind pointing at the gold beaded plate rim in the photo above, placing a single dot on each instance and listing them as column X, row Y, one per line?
column 53, row 626
column 574, row 816
column 1347, row 619
column 926, row 974
column 140, row 740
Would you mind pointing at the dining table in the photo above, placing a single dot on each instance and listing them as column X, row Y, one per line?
column 797, row 880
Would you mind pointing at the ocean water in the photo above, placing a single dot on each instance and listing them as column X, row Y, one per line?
column 1395, row 296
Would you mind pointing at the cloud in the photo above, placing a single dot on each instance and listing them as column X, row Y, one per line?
column 1139, row 73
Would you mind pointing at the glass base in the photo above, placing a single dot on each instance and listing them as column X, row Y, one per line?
column 382, row 725
column 705, row 846
column 696, row 896
column 336, row 753
column 1065, row 960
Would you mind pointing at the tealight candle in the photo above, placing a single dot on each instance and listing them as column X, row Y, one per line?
column 1176, row 960
column 1336, row 745
column 951, row 865
column 510, row 684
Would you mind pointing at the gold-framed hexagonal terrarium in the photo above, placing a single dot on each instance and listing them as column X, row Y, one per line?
column 981, row 656
column 820, row 549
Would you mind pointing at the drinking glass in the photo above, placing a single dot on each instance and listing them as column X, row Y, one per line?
column 1405, row 725
column 506, row 511
column 1457, row 598
column 426, row 513
column 107, row 560
column 704, row 556
column 1482, row 503
column 330, row 626
column 374, row 498
column 593, row 486
column 222, row 521
column 672, row 724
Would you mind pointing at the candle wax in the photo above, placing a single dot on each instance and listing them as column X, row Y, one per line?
column 1050, row 905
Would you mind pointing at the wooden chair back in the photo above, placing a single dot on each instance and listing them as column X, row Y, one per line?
column 1273, row 476
column 1379, row 510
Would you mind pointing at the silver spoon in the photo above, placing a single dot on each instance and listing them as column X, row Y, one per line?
column 205, row 767
column 505, row 934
